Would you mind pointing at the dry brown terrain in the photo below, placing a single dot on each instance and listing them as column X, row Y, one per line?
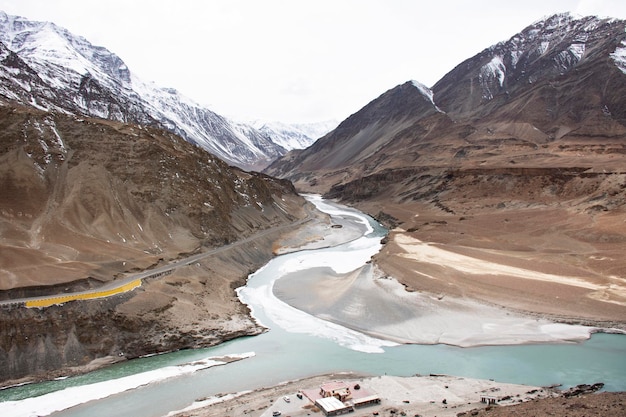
column 548, row 261
column 609, row 404
column 493, row 196
column 546, row 199
column 196, row 306
column 86, row 201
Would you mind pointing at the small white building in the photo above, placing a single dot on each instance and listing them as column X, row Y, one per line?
column 331, row 406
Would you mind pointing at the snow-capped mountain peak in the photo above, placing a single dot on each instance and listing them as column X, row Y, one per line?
column 426, row 92
column 46, row 43
column 65, row 72
column 294, row 136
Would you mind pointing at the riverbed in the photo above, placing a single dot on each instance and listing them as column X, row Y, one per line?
column 300, row 344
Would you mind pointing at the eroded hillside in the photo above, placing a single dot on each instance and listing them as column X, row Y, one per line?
column 85, row 201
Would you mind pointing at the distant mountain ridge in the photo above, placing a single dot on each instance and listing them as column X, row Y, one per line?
column 294, row 136
column 559, row 80
column 46, row 66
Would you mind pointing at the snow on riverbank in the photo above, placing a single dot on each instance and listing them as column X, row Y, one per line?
column 259, row 294
column 330, row 286
column 60, row 400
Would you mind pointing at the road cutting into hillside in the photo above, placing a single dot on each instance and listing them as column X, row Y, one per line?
column 131, row 282
column 47, row 302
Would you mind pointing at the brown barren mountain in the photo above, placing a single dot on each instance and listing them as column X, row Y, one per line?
column 515, row 159
column 86, row 201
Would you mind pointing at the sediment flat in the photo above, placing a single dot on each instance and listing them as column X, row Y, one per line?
column 541, row 262
column 432, row 395
column 403, row 295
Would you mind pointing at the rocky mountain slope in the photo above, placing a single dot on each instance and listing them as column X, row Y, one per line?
column 518, row 155
column 48, row 67
column 558, row 82
column 87, row 200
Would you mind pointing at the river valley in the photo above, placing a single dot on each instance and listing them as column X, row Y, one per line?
column 300, row 344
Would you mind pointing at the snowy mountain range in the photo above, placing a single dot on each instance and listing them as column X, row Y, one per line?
column 294, row 136
column 46, row 66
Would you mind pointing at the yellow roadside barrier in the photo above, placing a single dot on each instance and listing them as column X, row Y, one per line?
column 47, row 302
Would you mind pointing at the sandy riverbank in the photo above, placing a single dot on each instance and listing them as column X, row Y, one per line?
column 445, row 292
column 322, row 231
column 371, row 301
column 366, row 301
column 443, row 396
column 550, row 262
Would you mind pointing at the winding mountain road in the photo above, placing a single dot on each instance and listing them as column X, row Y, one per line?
column 133, row 281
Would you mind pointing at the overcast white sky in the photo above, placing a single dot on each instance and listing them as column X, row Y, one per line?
column 298, row 60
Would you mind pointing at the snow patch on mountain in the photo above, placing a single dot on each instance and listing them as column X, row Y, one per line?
column 561, row 42
column 558, row 21
column 577, row 50
column 619, row 56
column 568, row 58
column 543, row 47
column 494, row 70
column 515, row 57
column 426, row 92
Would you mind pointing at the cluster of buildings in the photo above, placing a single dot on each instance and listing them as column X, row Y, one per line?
column 336, row 398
